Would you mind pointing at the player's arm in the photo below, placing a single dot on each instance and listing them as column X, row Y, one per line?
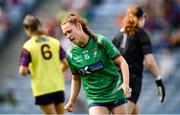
column 114, row 54
column 24, row 61
column 23, row 70
column 151, row 63
column 64, row 64
column 125, row 74
column 75, row 88
column 152, row 66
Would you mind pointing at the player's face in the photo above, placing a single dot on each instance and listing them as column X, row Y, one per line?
column 72, row 32
column 28, row 33
column 142, row 22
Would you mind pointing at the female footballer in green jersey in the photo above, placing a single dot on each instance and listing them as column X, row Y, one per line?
column 43, row 57
column 92, row 59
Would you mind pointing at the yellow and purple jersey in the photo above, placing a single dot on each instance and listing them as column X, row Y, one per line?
column 42, row 54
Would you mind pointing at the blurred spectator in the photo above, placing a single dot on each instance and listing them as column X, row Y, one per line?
column 30, row 5
column 8, row 97
column 3, row 24
column 11, row 15
column 167, row 63
column 15, row 11
column 2, row 3
column 162, row 21
column 97, row 2
column 172, row 12
column 60, row 15
column 175, row 38
column 51, row 27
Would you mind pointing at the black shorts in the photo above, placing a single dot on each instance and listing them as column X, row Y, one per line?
column 109, row 105
column 136, row 84
column 55, row 97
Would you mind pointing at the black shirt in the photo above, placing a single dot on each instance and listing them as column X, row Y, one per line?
column 133, row 49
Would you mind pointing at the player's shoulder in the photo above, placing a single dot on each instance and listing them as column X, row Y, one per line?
column 142, row 32
column 52, row 38
column 28, row 44
column 101, row 38
column 143, row 36
column 70, row 50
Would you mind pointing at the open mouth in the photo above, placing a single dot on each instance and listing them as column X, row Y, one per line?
column 71, row 38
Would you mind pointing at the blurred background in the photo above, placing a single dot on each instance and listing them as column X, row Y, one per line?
column 104, row 17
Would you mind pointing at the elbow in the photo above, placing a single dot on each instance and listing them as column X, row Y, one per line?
column 65, row 67
column 150, row 64
column 23, row 72
column 76, row 78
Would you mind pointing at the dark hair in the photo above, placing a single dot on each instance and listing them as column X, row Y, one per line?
column 139, row 12
column 32, row 23
column 134, row 13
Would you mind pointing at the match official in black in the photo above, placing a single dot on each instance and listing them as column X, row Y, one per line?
column 135, row 46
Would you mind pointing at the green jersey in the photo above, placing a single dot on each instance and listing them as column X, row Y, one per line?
column 95, row 66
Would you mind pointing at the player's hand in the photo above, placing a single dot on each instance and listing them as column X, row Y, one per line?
column 160, row 90
column 69, row 107
column 127, row 90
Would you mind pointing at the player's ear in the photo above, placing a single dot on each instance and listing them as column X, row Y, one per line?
column 27, row 28
column 79, row 26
